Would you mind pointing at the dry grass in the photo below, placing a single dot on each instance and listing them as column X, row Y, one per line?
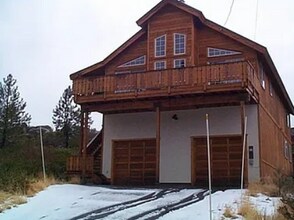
column 8, row 201
column 39, row 184
column 248, row 211
column 228, row 212
column 267, row 187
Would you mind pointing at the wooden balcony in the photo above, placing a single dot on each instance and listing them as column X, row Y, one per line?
column 170, row 82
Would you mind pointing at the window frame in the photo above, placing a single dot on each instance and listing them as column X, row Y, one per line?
column 232, row 52
column 179, row 67
column 160, row 61
column 271, row 89
column 286, row 150
column 185, row 43
column 261, row 75
column 128, row 63
column 155, row 46
column 288, row 120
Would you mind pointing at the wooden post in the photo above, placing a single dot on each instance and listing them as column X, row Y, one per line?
column 242, row 113
column 85, row 141
column 82, row 134
column 209, row 165
column 157, row 142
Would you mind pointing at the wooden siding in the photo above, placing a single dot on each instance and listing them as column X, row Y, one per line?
column 209, row 38
column 139, row 48
column 170, row 20
column 273, row 129
column 193, row 80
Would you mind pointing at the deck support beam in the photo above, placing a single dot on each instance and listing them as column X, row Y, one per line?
column 157, row 142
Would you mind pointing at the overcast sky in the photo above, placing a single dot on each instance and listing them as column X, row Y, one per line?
column 43, row 41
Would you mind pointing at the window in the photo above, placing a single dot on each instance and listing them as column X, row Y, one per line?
column 216, row 52
column 179, row 63
column 135, row 62
column 288, row 120
column 287, row 150
column 179, row 44
column 160, row 65
column 261, row 75
column 271, row 89
column 160, row 46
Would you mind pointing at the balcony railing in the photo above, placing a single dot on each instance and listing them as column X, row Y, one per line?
column 189, row 80
column 74, row 165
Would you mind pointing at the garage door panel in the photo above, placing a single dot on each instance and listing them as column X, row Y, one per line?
column 226, row 155
column 136, row 166
column 134, row 162
column 150, row 165
column 219, row 156
column 219, row 141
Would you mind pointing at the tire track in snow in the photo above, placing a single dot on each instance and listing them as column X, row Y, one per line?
column 106, row 211
column 163, row 210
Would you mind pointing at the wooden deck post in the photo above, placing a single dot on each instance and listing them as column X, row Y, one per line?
column 85, row 141
column 242, row 111
column 82, row 134
column 157, row 142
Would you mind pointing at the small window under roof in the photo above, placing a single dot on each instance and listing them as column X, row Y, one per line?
column 135, row 62
column 216, row 52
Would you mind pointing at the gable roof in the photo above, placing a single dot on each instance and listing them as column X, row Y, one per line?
column 198, row 14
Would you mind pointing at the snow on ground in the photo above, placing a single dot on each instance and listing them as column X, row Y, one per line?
column 221, row 200
column 67, row 201
column 59, row 202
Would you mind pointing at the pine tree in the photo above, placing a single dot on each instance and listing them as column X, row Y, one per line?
column 66, row 116
column 13, row 118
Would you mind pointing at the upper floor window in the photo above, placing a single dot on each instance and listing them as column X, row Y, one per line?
column 135, row 62
column 179, row 44
column 287, row 150
column 160, row 65
column 288, row 120
column 179, row 63
column 261, row 75
column 216, row 52
column 271, row 89
column 160, row 44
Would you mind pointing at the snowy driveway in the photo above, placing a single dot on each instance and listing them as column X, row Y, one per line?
column 61, row 202
column 151, row 206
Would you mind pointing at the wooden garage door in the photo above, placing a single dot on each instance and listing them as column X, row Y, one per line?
column 134, row 162
column 226, row 157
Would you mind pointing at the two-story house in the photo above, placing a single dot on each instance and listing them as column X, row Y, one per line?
column 155, row 90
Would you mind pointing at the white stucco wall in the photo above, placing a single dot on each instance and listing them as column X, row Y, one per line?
column 253, row 140
column 175, row 154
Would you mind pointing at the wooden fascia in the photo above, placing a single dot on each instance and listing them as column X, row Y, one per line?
column 144, row 19
column 170, row 103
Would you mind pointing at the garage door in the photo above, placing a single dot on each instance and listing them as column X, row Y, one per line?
column 226, row 157
column 134, row 162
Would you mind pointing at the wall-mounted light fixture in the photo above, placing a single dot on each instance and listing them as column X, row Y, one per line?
column 175, row 117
